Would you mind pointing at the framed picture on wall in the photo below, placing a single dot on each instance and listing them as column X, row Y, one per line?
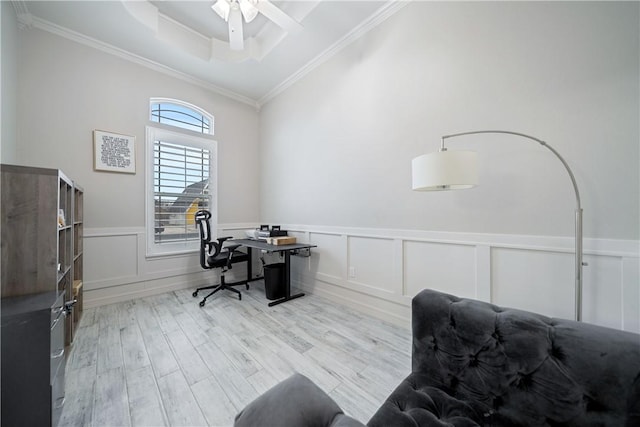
column 113, row 152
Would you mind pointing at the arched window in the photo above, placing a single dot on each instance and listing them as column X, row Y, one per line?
column 181, row 175
column 181, row 114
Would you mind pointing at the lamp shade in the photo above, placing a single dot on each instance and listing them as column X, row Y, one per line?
column 444, row 170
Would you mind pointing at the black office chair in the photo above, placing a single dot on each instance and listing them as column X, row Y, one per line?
column 212, row 255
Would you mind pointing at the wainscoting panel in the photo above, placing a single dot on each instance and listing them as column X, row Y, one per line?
column 370, row 262
column 378, row 271
column 539, row 281
column 331, row 254
column 117, row 269
column 534, row 273
column 603, row 291
column 444, row 267
column 631, row 294
column 109, row 259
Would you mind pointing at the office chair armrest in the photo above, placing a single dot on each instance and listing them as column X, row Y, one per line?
column 232, row 248
column 220, row 244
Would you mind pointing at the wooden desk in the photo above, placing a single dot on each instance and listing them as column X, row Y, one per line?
column 286, row 249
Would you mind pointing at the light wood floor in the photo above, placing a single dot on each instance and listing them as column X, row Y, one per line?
column 163, row 360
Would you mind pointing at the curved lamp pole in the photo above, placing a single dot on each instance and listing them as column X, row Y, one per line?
column 456, row 170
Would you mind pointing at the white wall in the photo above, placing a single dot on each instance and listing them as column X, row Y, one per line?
column 566, row 72
column 66, row 90
column 343, row 139
column 8, row 79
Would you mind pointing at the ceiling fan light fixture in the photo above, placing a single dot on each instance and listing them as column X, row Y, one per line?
column 233, row 11
column 222, row 8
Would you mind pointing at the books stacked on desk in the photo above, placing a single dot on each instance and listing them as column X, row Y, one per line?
column 283, row 240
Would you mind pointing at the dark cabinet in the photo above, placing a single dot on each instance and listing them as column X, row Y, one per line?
column 33, row 359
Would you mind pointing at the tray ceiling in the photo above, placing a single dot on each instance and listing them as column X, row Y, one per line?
column 188, row 39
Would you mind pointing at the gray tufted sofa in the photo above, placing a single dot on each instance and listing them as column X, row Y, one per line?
column 476, row 364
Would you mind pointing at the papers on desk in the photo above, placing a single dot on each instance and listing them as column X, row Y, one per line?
column 252, row 234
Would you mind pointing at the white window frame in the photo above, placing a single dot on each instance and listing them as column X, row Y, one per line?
column 187, row 138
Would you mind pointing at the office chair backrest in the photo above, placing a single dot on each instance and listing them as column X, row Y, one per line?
column 202, row 219
column 208, row 247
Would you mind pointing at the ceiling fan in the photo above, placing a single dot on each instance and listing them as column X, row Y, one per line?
column 232, row 11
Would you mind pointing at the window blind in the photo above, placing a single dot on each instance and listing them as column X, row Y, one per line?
column 181, row 187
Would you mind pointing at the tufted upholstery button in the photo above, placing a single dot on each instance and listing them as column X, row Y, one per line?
column 434, row 344
column 473, row 360
column 496, row 335
column 523, row 381
column 557, row 353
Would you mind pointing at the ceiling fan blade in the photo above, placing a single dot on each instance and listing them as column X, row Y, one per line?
column 236, row 37
column 272, row 12
column 222, row 7
column 248, row 10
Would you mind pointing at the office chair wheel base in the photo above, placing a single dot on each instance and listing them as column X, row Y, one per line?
column 202, row 303
column 195, row 294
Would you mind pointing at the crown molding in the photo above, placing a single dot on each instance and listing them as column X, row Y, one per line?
column 27, row 20
column 20, row 6
column 373, row 21
column 50, row 27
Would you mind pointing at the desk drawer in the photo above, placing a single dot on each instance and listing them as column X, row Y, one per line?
column 57, row 337
column 57, row 394
column 57, row 345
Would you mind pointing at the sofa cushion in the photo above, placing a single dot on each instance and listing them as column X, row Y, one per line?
column 296, row 401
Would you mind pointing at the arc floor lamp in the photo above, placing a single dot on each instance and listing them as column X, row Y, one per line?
column 454, row 170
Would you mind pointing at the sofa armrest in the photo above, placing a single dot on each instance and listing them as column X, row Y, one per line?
column 296, row 401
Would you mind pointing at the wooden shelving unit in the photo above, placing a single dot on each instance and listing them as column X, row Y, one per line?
column 42, row 223
column 42, row 234
column 36, row 247
column 78, row 248
column 65, row 246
